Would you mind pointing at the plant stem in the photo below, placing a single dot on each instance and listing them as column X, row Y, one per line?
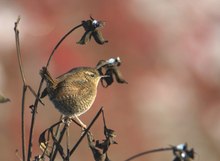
column 52, row 158
column 67, row 144
column 34, row 111
column 148, row 152
column 57, row 135
column 24, row 89
column 23, row 123
column 39, row 91
column 86, row 131
column 58, row 44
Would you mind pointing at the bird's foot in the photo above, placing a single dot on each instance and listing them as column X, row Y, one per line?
column 67, row 120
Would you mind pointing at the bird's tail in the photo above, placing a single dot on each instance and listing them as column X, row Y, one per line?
column 46, row 75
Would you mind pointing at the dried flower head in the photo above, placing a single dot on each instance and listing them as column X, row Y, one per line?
column 91, row 28
column 182, row 153
column 110, row 67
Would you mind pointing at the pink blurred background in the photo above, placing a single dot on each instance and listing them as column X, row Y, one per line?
column 170, row 56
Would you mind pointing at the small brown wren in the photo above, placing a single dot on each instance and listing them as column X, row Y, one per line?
column 74, row 92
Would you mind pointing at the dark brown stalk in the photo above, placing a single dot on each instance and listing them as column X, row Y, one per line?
column 39, row 91
column 61, row 40
column 24, row 88
column 34, row 111
column 52, row 158
column 57, row 135
column 67, row 144
column 103, row 117
column 148, row 152
column 86, row 131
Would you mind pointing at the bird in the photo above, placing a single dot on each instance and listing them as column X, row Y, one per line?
column 74, row 92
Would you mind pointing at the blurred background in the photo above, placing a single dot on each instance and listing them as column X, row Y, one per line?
column 170, row 56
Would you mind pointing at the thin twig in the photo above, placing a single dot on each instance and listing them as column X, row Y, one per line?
column 19, row 50
column 52, row 158
column 34, row 111
column 67, row 145
column 42, row 141
column 148, row 152
column 58, row 127
column 16, row 153
column 103, row 116
column 72, row 119
column 33, row 92
column 39, row 91
column 86, row 131
column 24, row 89
column 58, row 44
column 57, row 134
column 23, row 124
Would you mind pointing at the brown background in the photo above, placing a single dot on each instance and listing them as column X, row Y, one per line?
column 171, row 58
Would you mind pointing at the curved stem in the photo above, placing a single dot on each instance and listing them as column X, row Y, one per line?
column 148, row 152
column 39, row 91
column 58, row 44
column 34, row 111
column 24, row 88
column 19, row 50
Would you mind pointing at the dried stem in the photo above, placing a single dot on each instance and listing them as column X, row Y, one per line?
column 37, row 100
column 86, row 131
column 57, row 135
column 24, row 88
column 19, row 50
column 148, row 152
column 34, row 111
column 42, row 141
column 67, row 144
column 39, row 91
column 103, row 117
column 16, row 153
column 61, row 40
column 52, row 158
column 23, row 124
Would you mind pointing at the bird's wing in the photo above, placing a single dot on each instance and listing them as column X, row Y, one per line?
column 44, row 93
column 75, row 86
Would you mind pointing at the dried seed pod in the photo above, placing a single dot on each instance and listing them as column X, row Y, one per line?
column 182, row 153
column 91, row 30
column 4, row 99
column 111, row 69
column 97, row 35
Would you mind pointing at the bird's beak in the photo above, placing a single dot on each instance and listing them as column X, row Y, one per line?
column 104, row 76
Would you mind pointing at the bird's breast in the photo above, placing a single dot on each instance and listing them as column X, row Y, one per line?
column 73, row 101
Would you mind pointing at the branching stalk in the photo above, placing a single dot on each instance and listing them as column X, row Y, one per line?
column 148, row 152
column 52, row 158
column 86, row 131
column 61, row 40
column 39, row 91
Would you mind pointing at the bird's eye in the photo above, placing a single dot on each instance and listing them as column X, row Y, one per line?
column 92, row 75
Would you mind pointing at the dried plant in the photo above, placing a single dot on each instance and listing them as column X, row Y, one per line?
column 3, row 99
column 91, row 28
column 180, row 152
column 51, row 138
